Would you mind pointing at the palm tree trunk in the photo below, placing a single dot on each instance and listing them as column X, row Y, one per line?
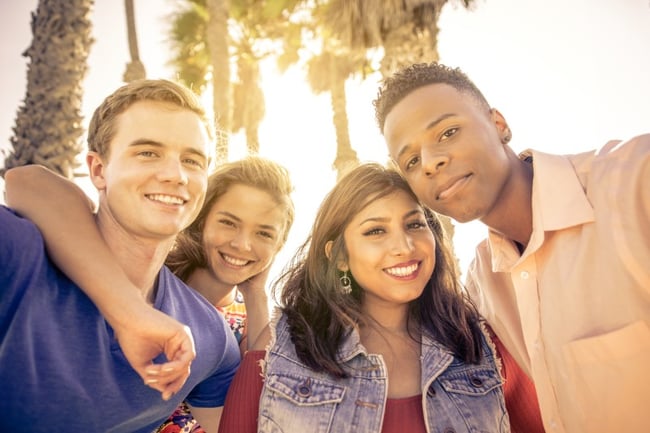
column 135, row 69
column 218, row 45
column 48, row 125
column 346, row 157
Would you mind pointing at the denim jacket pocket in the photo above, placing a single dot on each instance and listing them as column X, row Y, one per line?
column 298, row 403
column 471, row 381
column 305, row 391
column 475, row 395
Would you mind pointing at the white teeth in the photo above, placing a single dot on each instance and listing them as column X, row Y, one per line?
column 403, row 271
column 233, row 261
column 167, row 199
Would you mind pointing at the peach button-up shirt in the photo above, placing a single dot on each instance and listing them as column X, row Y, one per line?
column 574, row 308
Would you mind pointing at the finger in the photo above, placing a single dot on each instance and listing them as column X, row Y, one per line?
column 174, row 387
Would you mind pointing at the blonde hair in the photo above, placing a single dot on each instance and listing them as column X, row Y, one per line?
column 101, row 129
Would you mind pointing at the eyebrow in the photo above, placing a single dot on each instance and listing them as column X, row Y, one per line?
column 154, row 143
column 236, row 218
column 431, row 124
column 384, row 219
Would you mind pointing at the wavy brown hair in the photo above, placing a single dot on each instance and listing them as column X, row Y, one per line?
column 320, row 315
column 254, row 171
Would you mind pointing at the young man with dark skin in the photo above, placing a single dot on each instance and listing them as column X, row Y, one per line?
column 563, row 277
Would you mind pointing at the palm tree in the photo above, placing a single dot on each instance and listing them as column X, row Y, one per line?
column 134, row 69
column 407, row 31
column 49, row 122
column 328, row 65
column 218, row 44
column 328, row 72
column 215, row 36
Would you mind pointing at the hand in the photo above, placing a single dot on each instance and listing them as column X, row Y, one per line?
column 255, row 284
column 257, row 307
column 150, row 333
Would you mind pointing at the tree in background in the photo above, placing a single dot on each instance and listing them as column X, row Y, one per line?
column 405, row 30
column 134, row 69
column 221, row 43
column 48, row 125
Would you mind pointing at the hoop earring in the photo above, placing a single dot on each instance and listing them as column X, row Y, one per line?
column 346, row 283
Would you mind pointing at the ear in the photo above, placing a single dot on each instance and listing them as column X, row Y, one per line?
column 341, row 265
column 328, row 249
column 96, row 168
column 502, row 125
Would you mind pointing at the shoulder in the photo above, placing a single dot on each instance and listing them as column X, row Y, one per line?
column 11, row 221
column 637, row 145
column 632, row 155
column 281, row 342
column 185, row 304
column 20, row 237
column 620, row 170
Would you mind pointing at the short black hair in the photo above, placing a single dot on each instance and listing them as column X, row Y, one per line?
column 399, row 85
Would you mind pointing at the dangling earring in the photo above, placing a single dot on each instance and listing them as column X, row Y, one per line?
column 346, row 284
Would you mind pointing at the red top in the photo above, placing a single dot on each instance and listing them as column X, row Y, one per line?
column 405, row 414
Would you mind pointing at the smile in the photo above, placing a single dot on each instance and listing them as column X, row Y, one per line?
column 403, row 271
column 234, row 261
column 166, row 199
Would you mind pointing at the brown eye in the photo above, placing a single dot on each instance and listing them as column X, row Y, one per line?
column 449, row 133
column 411, row 162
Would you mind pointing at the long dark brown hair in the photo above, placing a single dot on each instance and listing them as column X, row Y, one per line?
column 320, row 315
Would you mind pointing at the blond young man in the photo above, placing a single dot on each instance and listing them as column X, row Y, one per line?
column 62, row 366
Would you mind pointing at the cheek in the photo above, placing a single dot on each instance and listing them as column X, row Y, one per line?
column 212, row 238
column 266, row 254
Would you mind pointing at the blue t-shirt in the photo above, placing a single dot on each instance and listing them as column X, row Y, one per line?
column 61, row 368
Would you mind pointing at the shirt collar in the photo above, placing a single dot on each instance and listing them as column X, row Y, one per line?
column 558, row 202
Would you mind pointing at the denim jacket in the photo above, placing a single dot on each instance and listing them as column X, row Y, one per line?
column 456, row 397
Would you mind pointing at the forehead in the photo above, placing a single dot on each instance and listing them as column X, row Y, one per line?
column 394, row 205
column 250, row 204
column 424, row 105
column 165, row 123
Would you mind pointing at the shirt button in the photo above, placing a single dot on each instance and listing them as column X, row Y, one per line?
column 524, row 275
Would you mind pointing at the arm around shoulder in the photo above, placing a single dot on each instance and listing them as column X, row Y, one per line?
column 64, row 215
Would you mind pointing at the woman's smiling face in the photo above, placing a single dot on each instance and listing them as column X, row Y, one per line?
column 242, row 234
column 391, row 249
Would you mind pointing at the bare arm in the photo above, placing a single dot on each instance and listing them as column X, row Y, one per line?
column 207, row 417
column 64, row 214
column 257, row 305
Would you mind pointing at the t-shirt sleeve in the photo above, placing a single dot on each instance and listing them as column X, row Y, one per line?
column 212, row 391
column 243, row 399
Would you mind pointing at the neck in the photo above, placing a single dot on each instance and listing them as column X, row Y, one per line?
column 390, row 319
column 140, row 258
column 513, row 215
column 216, row 292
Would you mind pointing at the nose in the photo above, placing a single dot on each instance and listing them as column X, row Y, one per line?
column 172, row 170
column 241, row 241
column 432, row 160
column 402, row 244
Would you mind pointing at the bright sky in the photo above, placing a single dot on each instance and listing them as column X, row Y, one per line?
column 568, row 75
